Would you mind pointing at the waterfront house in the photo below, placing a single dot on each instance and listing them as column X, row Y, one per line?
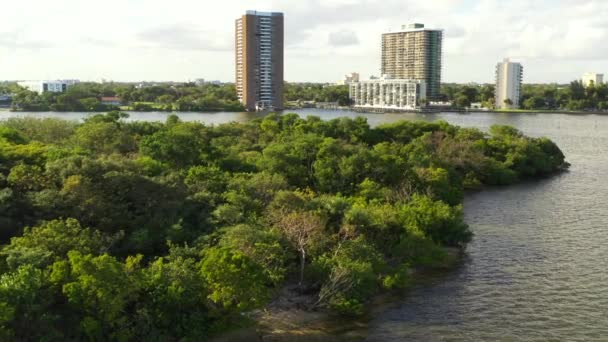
column 110, row 101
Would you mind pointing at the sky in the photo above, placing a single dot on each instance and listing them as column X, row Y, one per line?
column 180, row 40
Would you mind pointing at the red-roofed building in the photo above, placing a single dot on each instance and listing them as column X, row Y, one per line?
column 110, row 101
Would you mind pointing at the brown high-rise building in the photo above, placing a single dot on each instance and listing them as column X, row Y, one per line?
column 414, row 53
column 259, row 60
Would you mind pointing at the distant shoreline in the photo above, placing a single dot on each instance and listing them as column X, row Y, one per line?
column 352, row 109
column 532, row 111
column 466, row 111
column 120, row 110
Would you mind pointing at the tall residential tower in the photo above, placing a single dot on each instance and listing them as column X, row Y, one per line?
column 509, row 76
column 259, row 60
column 414, row 53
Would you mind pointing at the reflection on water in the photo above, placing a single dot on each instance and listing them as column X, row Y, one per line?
column 536, row 269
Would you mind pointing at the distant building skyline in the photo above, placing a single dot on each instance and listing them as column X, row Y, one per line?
column 349, row 78
column 414, row 52
column 50, row 86
column 509, row 76
column 592, row 78
column 259, row 44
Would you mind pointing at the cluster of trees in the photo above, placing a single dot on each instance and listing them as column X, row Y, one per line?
column 7, row 88
column 317, row 92
column 163, row 97
column 161, row 231
column 85, row 97
column 185, row 97
column 462, row 95
column 210, row 97
column 574, row 96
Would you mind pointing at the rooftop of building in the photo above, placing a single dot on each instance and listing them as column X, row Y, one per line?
column 265, row 14
column 413, row 27
column 509, row 61
column 49, row 81
column 386, row 79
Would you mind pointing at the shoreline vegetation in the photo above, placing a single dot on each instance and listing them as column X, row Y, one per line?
column 428, row 110
column 164, row 97
column 289, row 315
column 573, row 98
column 137, row 230
column 523, row 111
column 96, row 97
column 358, row 110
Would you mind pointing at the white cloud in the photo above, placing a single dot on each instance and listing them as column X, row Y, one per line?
column 183, row 37
column 343, row 38
column 557, row 40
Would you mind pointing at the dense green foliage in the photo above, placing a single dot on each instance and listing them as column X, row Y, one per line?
column 164, row 97
column 317, row 92
column 574, row 96
column 86, row 97
column 462, row 95
column 149, row 231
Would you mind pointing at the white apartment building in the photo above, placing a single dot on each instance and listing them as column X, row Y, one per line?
column 592, row 78
column 509, row 76
column 54, row 86
column 386, row 93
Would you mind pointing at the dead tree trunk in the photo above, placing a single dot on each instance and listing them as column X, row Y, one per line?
column 302, row 264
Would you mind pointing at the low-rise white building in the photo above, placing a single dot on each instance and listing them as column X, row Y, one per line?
column 592, row 78
column 386, row 93
column 54, row 86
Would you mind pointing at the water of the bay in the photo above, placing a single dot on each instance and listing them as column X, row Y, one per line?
column 536, row 269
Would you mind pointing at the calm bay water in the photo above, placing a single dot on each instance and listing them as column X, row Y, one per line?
column 536, row 269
